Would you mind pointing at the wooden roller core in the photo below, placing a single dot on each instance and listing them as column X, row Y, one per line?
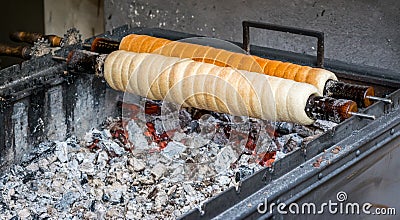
column 147, row 44
column 207, row 86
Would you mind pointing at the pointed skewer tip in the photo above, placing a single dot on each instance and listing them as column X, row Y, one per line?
column 380, row 99
column 362, row 115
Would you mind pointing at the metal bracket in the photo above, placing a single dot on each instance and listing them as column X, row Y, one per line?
column 319, row 35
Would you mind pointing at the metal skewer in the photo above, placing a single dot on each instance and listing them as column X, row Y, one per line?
column 23, row 52
column 362, row 115
column 380, row 99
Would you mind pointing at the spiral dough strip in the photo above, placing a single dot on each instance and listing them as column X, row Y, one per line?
column 207, row 86
column 147, row 44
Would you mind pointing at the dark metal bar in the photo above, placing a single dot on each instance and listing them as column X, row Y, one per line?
column 37, row 116
column 69, row 96
column 6, row 135
column 319, row 35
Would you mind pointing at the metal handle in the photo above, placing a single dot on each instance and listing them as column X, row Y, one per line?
column 319, row 35
column 31, row 38
column 15, row 51
column 28, row 37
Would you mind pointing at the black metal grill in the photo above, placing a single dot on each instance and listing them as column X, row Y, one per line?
column 39, row 102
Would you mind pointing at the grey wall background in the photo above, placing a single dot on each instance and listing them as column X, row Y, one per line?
column 365, row 32
column 85, row 15
column 18, row 15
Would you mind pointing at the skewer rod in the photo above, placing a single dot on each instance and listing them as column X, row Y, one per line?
column 362, row 115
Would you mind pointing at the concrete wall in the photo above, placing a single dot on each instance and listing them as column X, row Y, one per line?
column 365, row 32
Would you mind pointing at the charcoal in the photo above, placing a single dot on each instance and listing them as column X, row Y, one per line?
column 28, row 177
column 172, row 190
column 138, row 165
column 33, row 167
column 41, row 149
column 71, row 37
column 158, row 171
column 68, row 179
column 193, row 127
column 136, row 137
column 244, row 171
column 293, row 142
column 173, row 150
column 284, row 128
column 67, row 200
column 189, row 189
column 161, row 199
column 105, row 197
column 303, row 131
column 3, row 205
column 177, row 174
column 102, row 159
column 35, row 216
column 324, row 125
column 220, row 137
column 87, row 167
column 84, row 180
column 224, row 159
column 223, row 180
column 114, row 148
column 115, row 192
column 61, row 151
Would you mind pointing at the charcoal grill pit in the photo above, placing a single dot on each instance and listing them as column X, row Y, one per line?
column 40, row 103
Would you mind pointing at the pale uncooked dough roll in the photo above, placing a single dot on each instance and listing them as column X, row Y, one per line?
column 314, row 76
column 207, row 86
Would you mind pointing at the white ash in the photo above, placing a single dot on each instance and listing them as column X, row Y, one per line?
column 324, row 125
column 225, row 158
column 67, row 180
column 289, row 142
column 40, row 48
column 61, row 151
column 136, row 136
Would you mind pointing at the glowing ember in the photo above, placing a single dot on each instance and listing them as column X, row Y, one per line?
column 267, row 158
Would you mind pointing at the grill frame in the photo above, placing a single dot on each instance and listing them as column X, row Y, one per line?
column 35, row 79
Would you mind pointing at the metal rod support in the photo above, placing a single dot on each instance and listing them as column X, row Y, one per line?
column 362, row 115
column 389, row 101
column 319, row 35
